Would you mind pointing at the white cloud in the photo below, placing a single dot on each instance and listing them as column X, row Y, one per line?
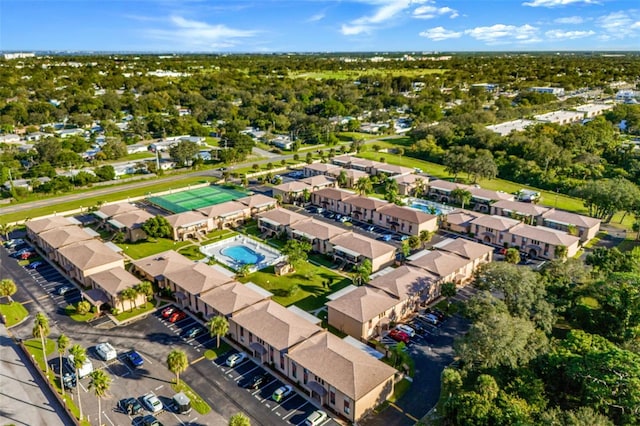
column 569, row 20
column 440, row 33
column 385, row 11
column 500, row 33
column 198, row 34
column 568, row 35
column 556, row 3
column 317, row 17
column 619, row 24
column 355, row 29
column 430, row 12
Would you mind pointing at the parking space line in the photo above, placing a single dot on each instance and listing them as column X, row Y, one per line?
column 293, row 411
column 283, row 401
column 242, row 375
column 107, row 417
column 266, row 384
column 197, row 360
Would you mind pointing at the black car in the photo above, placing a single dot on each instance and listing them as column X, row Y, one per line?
column 257, row 381
column 130, row 406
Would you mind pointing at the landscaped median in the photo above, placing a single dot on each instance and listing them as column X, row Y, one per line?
column 13, row 313
column 198, row 404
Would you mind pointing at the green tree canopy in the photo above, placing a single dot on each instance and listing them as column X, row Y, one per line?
column 157, row 227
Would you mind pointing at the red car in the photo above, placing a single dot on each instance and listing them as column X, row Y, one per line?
column 177, row 316
column 166, row 312
column 399, row 336
column 27, row 255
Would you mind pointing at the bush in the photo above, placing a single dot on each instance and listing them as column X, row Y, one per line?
column 83, row 307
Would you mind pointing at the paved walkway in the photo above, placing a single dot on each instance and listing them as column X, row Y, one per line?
column 24, row 397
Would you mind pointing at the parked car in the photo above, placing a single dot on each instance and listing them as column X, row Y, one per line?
column 281, row 393
column 194, row 331
column 177, row 316
column 399, row 336
column 27, row 255
column 150, row 420
column 34, row 265
column 385, row 237
column 166, row 312
column 130, row 406
column 62, row 290
column 406, row 329
column 135, row 359
column 152, row 402
column 316, row 418
column 106, row 351
column 344, row 219
column 13, row 243
column 430, row 319
column 438, row 314
column 85, row 369
column 21, row 246
column 236, row 359
column 371, row 228
column 20, row 252
column 257, row 381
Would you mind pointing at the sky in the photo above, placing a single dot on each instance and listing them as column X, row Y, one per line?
column 265, row 26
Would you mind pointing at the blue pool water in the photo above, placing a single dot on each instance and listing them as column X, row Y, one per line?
column 242, row 254
column 427, row 209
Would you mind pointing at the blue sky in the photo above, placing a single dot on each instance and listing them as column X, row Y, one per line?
column 319, row 25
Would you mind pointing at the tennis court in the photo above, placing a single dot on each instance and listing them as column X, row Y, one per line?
column 192, row 199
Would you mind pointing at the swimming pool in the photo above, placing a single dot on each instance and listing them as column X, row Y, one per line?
column 242, row 255
column 430, row 206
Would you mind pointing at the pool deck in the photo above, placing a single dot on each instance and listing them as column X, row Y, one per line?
column 214, row 251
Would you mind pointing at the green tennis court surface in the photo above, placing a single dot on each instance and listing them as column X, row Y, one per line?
column 192, row 199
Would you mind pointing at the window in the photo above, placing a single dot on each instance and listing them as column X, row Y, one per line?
column 513, row 239
column 271, row 353
column 332, row 398
column 241, row 331
column 294, row 370
column 347, row 406
column 281, row 360
column 305, row 376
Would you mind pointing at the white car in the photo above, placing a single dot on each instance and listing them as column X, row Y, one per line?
column 106, row 351
column 236, row 359
column 152, row 402
column 316, row 418
column 409, row 330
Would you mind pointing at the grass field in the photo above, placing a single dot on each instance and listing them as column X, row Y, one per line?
column 141, row 309
column 548, row 198
column 351, row 74
column 311, row 293
column 90, row 201
column 142, row 249
column 13, row 313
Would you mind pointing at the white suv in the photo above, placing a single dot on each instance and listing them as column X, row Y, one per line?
column 409, row 330
column 106, row 351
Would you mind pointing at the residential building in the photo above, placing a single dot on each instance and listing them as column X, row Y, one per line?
column 52, row 240
column 481, row 199
column 506, row 128
column 331, row 199
column 107, row 288
column 319, row 182
column 527, row 212
column 352, row 249
column 360, row 208
column 315, row 232
column 560, row 117
column 153, row 268
column 539, row 241
column 268, row 331
column 230, row 298
column 391, row 169
column 192, row 281
column 352, row 176
column 446, row 267
column 404, row 219
column 85, row 258
column 320, row 169
column 227, row 215
column 291, row 191
column 190, row 224
column 410, row 184
column 584, row 227
column 459, row 221
column 277, row 221
column 593, row 110
column 558, row 91
column 38, row 226
column 107, row 211
column 258, row 203
column 492, row 229
column 409, row 285
column 478, row 254
column 130, row 224
column 340, row 376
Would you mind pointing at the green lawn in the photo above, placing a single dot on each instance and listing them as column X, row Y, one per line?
column 150, row 247
column 220, row 234
column 34, row 347
column 198, row 404
column 141, row 309
column 133, row 157
column 92, row 201
column 71, row 311
column 214, row 352
column 400, row 389
column 13, row 313
column 311, row 293
column 354, row 74
column 548, row 198
column 192, row 252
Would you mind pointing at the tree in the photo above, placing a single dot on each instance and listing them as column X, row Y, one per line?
column 62, row 343
column 218, row 326
column 364, row 186
column 512, row 255
column 157, row 227
column 183, row 152
column 128, row 295
column 5, row 229
column 244, row 270
column 296, row 251
column 606, row 197
column 105, row 173
column 177, row 363
column 483, row 166
column 461, row 196
column 362, row 272
column 79, row 358
column 114, row 149
column 448, row 290
column 239, row 419
column 342, row 179
column 560, row 252
column 41, row 331
column 456, row 161
column 83, row 307
column 146, row 288
column 425, row 237
column 8, row 288
column 414, row 242
column 100, row 383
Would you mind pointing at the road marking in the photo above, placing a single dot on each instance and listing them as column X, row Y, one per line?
column 107, row 417
column 159, row 387
column 403, row 412
column 293, row 412
column 282, row 402
column 146, row 359
column 197, row 360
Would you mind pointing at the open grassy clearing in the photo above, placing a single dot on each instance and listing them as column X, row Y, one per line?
column 72, row 311
column 352, row 74
column 13, row 313
column 133, row 157
column 141, row 309
column 308, row 284
column 149, row 247
column 92, row 201
column 548, row 198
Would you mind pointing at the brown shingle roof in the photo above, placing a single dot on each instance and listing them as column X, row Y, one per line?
column 499, row 223
column 544, row 234
column 341, row 365
column 333, row 193
column 366, row 202
column 225, row 209
column 186, row 219
column 275, row 324
column 528, row 209
column 322, row 167
column 133, row 219
column 231, row 297
column 41, row 225
column 467, row 249
column 114, row 280
column 257, row 200
column 407, row 214
column 293, row 186
column 392, row 169
column 461, row 217
column 560, row 216
column 440, row 263
column 404, row 282
column 161, row 263
column 111, row 210
column 197, row 278
column 409, row 179
column 367, row 247
column 282, row 216
column 318, row 180
column 363, row 303
column 89, row 254
column 64, row 236
column 488, row 194
column 317, row 229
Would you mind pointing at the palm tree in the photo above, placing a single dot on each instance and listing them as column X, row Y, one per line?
column 239, row 419
column 177, row 363
column 218, row 326
column 425, row 237
column 8, row 288
column 63, row 343
column 100, row 383
column 145, row 288
column 342, row 179
column 364, row 186
column 79, row 358
column 41, row 330
column 128, row 294
column 6, row 228
column 461, row 195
